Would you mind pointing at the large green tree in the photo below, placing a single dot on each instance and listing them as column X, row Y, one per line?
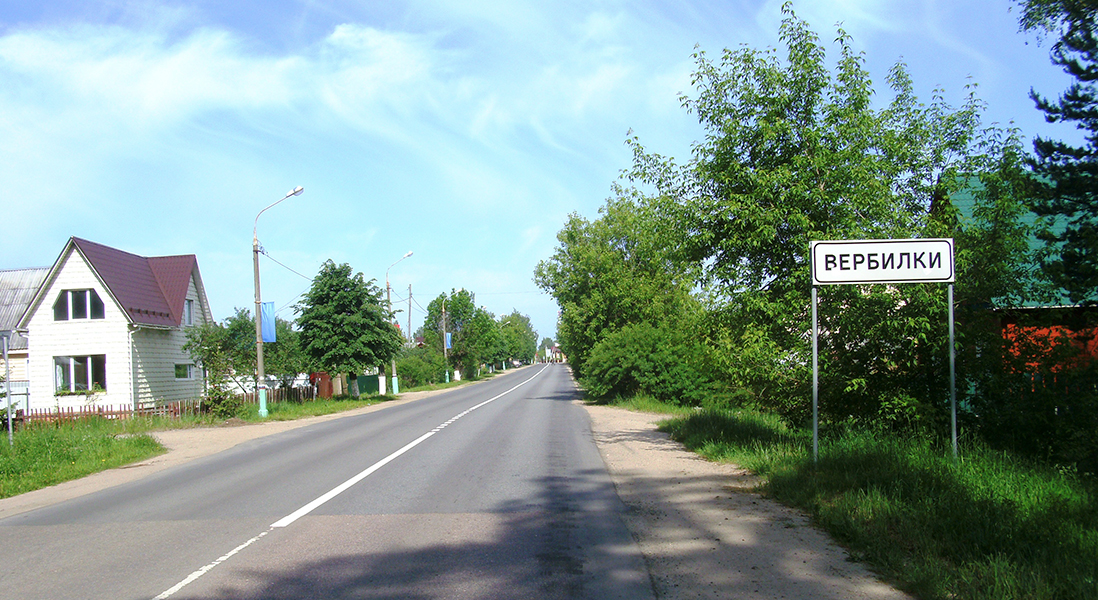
column 345, row 327
column 458, row 315
column 1067, row 174
column 519, row 338
column 796, row 149
column 613, row 272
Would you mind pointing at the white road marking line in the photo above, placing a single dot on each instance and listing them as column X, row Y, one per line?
column 339, row 489
column 199, row 573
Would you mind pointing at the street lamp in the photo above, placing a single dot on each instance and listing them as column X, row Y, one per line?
column 389, row 300
column 260, row 375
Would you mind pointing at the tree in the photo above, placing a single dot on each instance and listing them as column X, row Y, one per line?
column 421, row 366
column 793, row 152
column 344, row 325
column 519, row 338
column 482, row 342
column 208, row 345
column 285, row 359
column 1067, row 175
column 453, row 314
column 612, row 272
column 240, row 345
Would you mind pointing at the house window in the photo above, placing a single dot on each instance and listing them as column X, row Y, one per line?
column 77, row 304
column 184, row 371
column 188, row 312
column 80, row 373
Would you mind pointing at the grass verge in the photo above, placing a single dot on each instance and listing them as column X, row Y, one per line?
column 46, row 455
column 988, row 526
column 647, row 404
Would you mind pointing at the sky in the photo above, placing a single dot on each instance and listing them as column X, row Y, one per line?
column 465, row 131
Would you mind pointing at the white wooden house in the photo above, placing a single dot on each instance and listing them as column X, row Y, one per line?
column 108, row 327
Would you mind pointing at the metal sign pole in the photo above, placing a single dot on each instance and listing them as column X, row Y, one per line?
column 815, row 383
column 862, row 262
column 952, row 372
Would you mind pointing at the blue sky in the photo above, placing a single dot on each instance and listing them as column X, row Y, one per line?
column 465, row 131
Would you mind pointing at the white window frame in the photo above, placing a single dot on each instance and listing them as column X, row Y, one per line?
column 190, row 371
column 188, row 312
column 69, row 364
column 70, row 295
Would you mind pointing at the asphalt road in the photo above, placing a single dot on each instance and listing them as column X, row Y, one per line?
column 489, row 491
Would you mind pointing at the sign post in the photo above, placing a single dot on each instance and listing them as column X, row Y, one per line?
column 862, row 262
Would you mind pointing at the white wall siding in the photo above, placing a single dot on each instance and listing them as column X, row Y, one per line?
column 81, row 337
column 157, row 351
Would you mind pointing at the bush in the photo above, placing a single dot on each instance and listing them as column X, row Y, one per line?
column 223, row 404
column 420, row 366
column 657, row 361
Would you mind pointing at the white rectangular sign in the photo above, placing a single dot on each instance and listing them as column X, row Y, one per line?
column 882, row 261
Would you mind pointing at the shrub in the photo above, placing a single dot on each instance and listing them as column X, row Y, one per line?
column 642, row 358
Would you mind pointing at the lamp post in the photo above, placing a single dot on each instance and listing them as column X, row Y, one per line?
column 261, row 388
column 389, row 301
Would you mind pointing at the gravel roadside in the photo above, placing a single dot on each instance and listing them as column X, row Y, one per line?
column 705, row 534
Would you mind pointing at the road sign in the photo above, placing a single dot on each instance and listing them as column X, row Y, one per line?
column 882, row 261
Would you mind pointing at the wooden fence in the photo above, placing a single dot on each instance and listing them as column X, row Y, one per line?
column 171, row 410
column 297, row 394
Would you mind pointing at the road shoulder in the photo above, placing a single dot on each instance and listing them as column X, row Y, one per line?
column 704, row 534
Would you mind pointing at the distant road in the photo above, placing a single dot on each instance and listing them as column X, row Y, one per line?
column 490, row 491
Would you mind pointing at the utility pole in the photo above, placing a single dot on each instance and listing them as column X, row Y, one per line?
column 389, row 301
column 411, row 336
column 260, row 375
column 445, row 352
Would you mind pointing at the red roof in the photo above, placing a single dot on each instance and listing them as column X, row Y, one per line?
column 150, row 290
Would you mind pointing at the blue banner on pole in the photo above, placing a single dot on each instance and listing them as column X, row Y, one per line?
column 449, row 343
column 268, row 323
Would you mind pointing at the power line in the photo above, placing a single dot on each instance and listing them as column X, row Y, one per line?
column 305, row 277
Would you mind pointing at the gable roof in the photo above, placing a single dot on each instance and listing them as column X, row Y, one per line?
column 151, row 291
column 17, row 290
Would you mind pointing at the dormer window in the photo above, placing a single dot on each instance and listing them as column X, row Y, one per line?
column 77, row 304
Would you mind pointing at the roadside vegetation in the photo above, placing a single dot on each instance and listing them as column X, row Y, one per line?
column 692, row 289
column 988, row 526
column 45, row 456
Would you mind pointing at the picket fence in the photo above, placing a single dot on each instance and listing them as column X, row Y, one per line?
column 123, row 411
column 172, row 410
column 280, row 394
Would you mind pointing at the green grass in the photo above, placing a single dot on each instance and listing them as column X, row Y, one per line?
column 989, row 526
column 46, row 455
column 289, row 411
column 647, row 404
column 435, row 386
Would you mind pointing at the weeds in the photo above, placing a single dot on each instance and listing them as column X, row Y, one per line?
column 987, row 526
column 46, row 455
